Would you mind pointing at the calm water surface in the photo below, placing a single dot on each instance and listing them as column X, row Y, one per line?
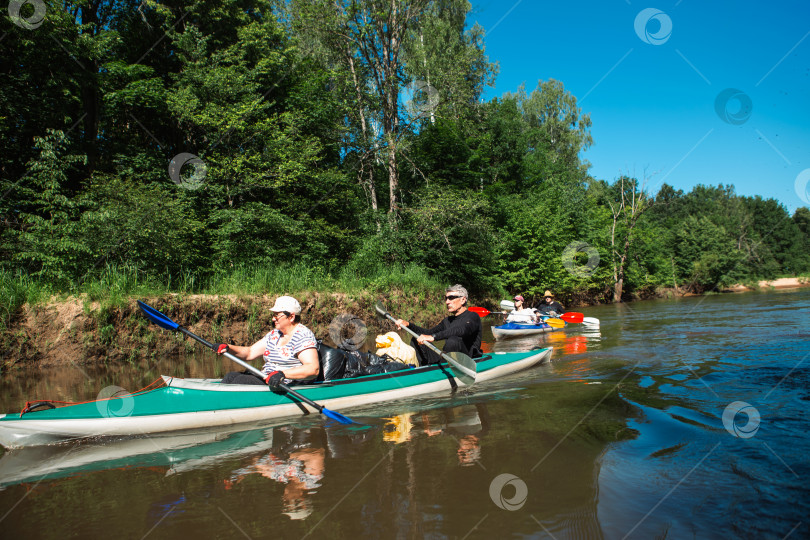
column 677, row 419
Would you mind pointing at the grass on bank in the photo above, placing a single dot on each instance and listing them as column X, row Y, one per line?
column 115, row 286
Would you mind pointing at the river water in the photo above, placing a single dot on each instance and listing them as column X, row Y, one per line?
column 676, row 419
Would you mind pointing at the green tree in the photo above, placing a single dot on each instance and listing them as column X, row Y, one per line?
column 41, row 225
column 450, row 232
column 629, row 205
column 557, row 132
column 780, row 248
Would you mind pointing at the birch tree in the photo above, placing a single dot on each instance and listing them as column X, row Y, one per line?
column 632, row 202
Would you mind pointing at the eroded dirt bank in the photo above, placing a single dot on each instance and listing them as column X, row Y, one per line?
column 75, row 331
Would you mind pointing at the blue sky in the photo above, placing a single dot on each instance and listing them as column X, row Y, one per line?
column 669, row 93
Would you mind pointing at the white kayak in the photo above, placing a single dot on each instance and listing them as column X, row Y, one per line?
column 511, row 330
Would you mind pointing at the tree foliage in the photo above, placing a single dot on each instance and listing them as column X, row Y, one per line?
column 195, row 138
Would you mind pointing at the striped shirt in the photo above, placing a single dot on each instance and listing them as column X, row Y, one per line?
column 279, row 358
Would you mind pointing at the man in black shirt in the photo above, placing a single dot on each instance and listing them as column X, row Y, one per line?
column 461, row 330
column 549, row 307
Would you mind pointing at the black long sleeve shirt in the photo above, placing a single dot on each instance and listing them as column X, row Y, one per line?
column 467, row 326
column 545, row 308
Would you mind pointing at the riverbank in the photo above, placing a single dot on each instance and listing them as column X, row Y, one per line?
column 79, row 331
column 781, row 283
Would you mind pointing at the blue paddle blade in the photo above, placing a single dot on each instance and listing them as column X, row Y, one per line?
column 157, row 317
column 337, row 416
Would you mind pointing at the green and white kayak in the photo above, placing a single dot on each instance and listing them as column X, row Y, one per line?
column 188, row 404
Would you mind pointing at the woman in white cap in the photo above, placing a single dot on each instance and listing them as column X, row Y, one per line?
column 289, row 350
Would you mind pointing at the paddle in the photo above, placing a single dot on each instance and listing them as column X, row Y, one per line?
column 592, row 321
column 164, row 322
column 462, row 366
column 572, row 317
column 554, row 322
column 482, row 312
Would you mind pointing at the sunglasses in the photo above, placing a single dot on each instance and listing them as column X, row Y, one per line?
column 279, row 314
column 452, row 297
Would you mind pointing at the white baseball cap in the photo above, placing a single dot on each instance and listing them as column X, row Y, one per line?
column 286, row 303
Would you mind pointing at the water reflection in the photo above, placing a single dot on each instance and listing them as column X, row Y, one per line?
column 406, row 473
column 622, row 436
column 571, row 341
column 283, row 454
column 468, row 424
column 38, row 463
column 296, row 460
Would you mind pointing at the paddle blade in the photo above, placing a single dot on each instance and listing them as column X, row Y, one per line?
column 572, row 317
column 555, row 323
column 337, row 416
column 481, row 312
column 380, row 309
column 463, row 367
column 507, row 305
column 157, row 317
column 591, row 321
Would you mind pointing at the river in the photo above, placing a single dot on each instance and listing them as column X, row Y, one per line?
column 676, row 419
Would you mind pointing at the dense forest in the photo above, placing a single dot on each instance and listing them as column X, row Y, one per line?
column 185, row 140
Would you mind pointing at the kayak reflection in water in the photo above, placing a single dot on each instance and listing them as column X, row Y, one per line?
column 289, row 350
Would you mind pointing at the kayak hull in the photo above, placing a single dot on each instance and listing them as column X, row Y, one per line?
column 516, row 330
column 189, row 404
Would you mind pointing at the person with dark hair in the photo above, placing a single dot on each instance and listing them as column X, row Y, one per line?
column 549, row 307
column 289, row 349
column 461, row 330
